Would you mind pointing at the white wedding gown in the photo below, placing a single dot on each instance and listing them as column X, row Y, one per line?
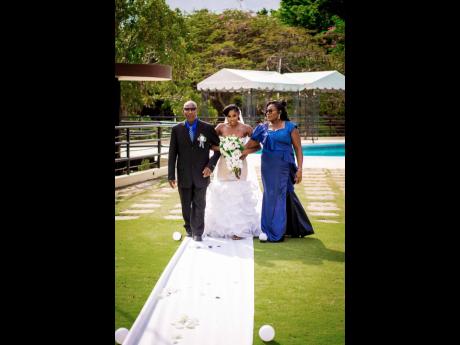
column 233, row 206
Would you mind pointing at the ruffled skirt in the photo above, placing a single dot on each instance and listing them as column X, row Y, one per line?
column 233, row 207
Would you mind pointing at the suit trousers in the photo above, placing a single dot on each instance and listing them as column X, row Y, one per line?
column 193, row 202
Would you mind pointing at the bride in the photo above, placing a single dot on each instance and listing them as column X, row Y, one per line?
column 233, row 205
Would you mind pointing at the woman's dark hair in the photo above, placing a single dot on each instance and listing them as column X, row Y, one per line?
column 231, row 107
column 281, row 107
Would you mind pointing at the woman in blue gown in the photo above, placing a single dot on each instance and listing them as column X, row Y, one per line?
column 282, row 212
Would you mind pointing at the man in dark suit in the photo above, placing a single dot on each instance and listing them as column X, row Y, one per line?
column 190, row 144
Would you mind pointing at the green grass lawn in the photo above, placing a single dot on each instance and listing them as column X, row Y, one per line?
column 299, row 283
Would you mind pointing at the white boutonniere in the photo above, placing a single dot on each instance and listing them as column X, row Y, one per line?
column 202, row 140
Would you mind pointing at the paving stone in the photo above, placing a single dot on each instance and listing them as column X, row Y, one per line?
column 158, row 195
column 126, row 217
column 317, row 188
column 322, row 203
column 320, row 197
column 137, row 211
column 145, row 206
column 322, row 208
column 320, row 192
column 176, row 211
column 167, row 190
column 172, row 217
column 323, row 214
column 155, row 201
column 327, row 221
column 128, row 189
column 144, row 185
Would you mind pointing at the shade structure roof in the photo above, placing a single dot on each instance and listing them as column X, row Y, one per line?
column 143, row 72
column 231, row 80
column 319, row 80
column 236, row 80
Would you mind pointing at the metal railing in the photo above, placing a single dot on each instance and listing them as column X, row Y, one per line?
column 140, row 146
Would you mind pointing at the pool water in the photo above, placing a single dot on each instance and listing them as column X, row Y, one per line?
column 336, row 149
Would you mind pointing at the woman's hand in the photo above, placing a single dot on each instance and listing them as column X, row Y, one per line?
column 298, row 176
column 244, row 154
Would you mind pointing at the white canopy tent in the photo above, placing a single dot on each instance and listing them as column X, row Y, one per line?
column 256, row 88
column 234, row 80
column 319, row 80
column 231, row 80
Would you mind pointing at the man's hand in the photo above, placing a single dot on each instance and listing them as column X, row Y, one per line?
column 207, row 172
column 172, row 183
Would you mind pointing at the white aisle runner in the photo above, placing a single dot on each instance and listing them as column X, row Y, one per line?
column 205, row 296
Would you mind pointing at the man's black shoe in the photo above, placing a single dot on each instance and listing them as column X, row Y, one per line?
column 197, row 238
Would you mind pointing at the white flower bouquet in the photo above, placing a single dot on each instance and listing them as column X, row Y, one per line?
column 231, row 148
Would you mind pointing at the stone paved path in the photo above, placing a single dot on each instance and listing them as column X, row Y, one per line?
column 320, row 187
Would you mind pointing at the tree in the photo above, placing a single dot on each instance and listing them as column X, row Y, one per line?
column 311, row 14
column 209, row 42
column 148, row 31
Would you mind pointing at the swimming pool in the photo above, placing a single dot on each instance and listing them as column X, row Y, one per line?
column 331, row 150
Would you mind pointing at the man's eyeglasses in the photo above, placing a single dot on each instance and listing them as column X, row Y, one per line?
column 269, row 111
column 189, row 109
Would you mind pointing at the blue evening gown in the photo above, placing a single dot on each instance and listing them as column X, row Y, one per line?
column 282, row 212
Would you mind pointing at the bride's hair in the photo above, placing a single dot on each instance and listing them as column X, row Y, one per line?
column 234, row 107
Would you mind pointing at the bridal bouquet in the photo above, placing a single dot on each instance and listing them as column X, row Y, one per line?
column 231, row 148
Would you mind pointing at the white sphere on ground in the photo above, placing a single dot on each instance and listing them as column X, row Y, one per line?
column 120, row 335
column 177, row 235
column 263, row 237
column 267, row 333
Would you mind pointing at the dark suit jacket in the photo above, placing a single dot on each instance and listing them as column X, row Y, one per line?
column 191, row 158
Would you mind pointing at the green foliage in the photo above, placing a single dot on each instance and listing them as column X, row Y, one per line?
column 148, row 31
column 333, row 40
column 311, row 14
column 202, row 43
column 145, row 165
column 262, row 12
